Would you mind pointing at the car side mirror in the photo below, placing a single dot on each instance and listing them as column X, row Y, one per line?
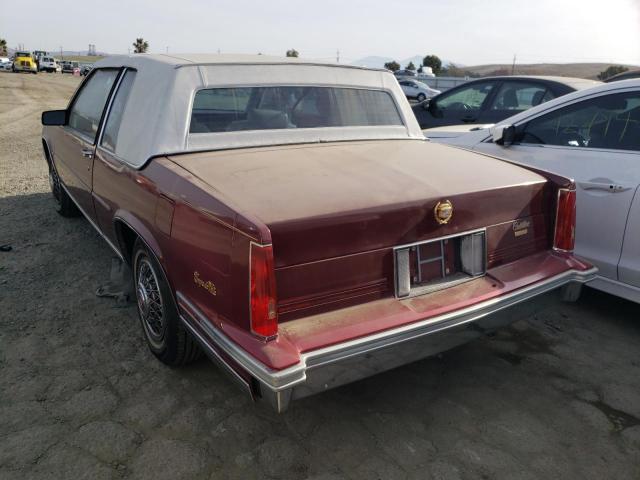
column 426, row 104
column 54, row 117
column 503, row 134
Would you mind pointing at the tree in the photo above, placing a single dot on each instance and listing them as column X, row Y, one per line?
column 419, row 69
column 434, row 62
column 292, row 53
column 140, row 45
column 392, row 65
column 411, row 66
column 611, row 71
column 3, row 47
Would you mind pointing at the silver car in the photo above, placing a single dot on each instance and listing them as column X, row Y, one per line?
column 592, row 136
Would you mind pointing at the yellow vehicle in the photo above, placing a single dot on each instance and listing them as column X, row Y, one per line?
column 24, row 62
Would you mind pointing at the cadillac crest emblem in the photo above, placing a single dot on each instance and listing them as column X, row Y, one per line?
column 443, row 212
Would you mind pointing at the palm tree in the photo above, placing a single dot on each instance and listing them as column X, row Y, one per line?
column 3, row 46
column 140, row 46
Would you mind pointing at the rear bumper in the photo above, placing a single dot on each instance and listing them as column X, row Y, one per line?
column 325, row 368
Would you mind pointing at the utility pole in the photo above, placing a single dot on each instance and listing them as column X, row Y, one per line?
column 167, row 50
column 338, row 56
column 61, row 57
column 513, row 65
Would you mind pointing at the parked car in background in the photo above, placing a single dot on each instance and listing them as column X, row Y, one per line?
column 492, row 99
column 281, row 215
column 624, row 76
column 5, row 63
column 24, row 62
column 405, row 73
column 49, row 64
column 592, row 136
column 419, row 91
column 85, row 69
column 70, row 67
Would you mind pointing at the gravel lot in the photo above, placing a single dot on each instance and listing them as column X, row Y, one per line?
column 555, row 396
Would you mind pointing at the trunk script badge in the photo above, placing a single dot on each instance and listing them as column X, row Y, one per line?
column 443, row 212
column 208, row 285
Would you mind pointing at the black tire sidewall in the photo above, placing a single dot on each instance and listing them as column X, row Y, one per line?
column 421, row 97
column 166, row 348
column 63, row 203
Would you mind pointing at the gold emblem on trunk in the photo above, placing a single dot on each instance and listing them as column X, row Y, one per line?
column 443, row 212
column 208, row 285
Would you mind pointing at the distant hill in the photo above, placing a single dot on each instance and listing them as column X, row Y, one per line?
column 578, row 70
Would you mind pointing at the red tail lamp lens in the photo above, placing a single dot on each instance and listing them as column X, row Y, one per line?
column 264, row 313
column 565, row 233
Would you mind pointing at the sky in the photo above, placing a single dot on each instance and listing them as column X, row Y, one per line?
column 468, row 32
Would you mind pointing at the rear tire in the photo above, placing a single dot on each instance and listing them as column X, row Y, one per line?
column 421, row 97
column 165, row 334
column 64, row 204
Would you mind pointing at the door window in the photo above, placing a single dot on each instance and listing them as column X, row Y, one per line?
column 519, row 96
column 469, row 98
column 88, row 106
column 610, row 121
column 112, row 126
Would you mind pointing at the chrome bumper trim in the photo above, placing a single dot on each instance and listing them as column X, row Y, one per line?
column 279, row 383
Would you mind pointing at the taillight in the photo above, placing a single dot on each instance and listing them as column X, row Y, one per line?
column 565, row 230
column 263, row 311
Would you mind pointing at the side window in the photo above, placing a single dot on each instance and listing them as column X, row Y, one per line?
column 519, row 96
column 468, row 98
column 87, row 109
column 112, row 127
column 609, row 121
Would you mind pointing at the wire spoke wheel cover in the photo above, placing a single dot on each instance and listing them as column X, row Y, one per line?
column 150, row 304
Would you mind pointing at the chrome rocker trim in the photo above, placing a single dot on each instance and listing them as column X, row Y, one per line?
column 310, row 374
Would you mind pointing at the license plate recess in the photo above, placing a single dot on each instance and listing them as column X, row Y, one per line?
column 432, row 265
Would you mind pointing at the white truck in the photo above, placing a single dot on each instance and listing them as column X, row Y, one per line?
column 49, row 64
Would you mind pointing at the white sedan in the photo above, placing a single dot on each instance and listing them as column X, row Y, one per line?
column 417, row 90
column 592, row 136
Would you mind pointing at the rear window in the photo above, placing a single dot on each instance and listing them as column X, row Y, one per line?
column 281, row 107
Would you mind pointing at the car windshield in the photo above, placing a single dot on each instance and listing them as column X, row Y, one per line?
column 23, row 54
column 283, row 107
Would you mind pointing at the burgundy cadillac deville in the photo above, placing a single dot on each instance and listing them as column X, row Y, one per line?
column 290, row 219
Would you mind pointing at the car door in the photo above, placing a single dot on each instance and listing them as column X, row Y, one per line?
column 406, row 87
column 513, row 97
column 595, row 142
column 110, row 173
column 75, row 145
column 629, row 265
column 459, row 105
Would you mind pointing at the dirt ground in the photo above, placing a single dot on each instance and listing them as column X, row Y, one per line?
column 556, row 396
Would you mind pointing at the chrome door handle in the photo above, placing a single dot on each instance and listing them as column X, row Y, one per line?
column 87, row 152
column 607, row 187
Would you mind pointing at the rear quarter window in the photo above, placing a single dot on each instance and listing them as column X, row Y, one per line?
column 112, row 127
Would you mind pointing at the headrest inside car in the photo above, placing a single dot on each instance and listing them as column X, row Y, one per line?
column 266, row 118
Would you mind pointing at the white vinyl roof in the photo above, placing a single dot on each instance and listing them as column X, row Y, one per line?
column 158, row 111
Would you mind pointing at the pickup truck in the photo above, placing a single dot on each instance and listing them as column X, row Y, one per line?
column 49, row 64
